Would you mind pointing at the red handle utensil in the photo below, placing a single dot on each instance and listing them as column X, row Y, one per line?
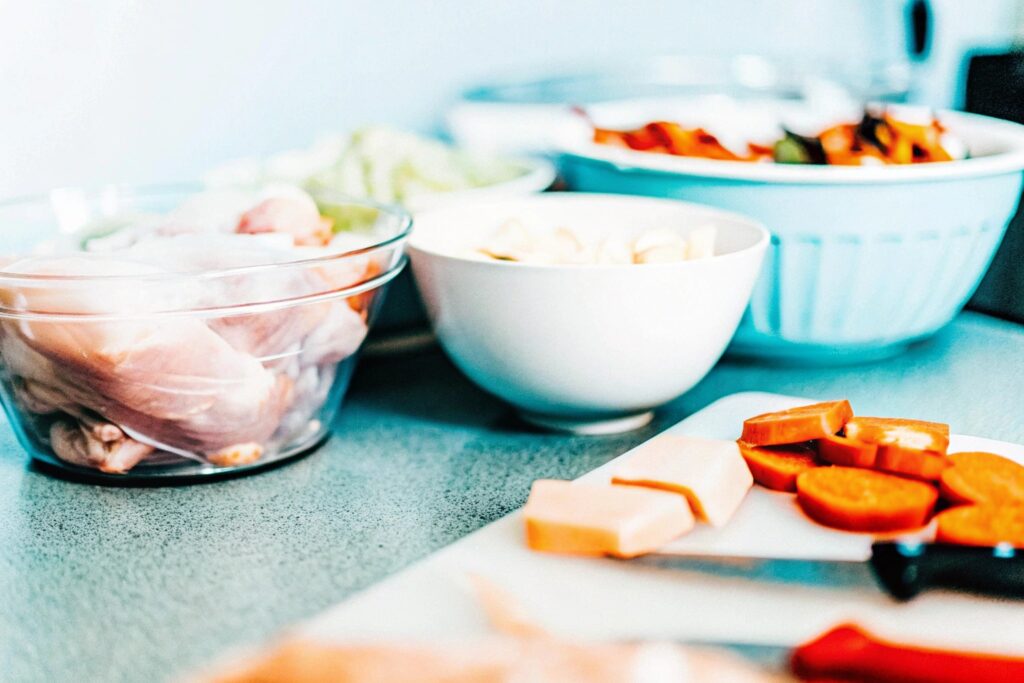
column 847, row 653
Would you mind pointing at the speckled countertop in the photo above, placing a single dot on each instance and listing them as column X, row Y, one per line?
column 141, row 584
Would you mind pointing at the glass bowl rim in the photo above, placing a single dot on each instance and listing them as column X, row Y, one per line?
column 131, row 190
column 8, row 279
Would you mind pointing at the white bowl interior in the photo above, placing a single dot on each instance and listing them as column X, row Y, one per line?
column 453, row 231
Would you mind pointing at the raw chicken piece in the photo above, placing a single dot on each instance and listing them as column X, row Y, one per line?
column 37, row 398
column 176, row 381
column 170, row 379
column 271, row 335
column 207, row 213
column 495, row 660
column 297, row 216
column 312, row 387
column 39, row 385
column 103, row 446
column 88, row 442
column 214, row 213
column 239, row 454
column 265, row 334
column 338, row 336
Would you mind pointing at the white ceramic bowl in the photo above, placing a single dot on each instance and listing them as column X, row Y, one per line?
column 584, row 348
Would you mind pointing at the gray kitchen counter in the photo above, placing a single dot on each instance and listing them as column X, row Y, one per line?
column 143, row 584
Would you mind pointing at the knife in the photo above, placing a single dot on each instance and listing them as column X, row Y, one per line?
column 903, row 568
column 851, row 654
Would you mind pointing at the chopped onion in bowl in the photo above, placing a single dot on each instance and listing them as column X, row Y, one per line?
column 517, row 243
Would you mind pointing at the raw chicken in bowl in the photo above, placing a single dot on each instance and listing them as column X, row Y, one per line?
column 161, row 332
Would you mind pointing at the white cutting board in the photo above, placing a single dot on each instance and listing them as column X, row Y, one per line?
column 603, row 598
column 770, row 523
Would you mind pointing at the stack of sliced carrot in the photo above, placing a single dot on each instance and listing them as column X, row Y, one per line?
column 879, row 474
column 778, row 447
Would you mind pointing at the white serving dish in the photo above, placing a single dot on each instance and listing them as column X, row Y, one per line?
column 590, row 349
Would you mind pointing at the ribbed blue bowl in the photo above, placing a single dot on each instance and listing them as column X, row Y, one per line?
column 863, row 261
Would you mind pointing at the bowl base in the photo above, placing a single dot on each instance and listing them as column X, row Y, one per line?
column 399, row 342
column 585, row 427
column 814, row 355
column 176, row 472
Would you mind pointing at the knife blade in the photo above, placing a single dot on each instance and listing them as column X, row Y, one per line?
column 772, row 658
column 903, row 568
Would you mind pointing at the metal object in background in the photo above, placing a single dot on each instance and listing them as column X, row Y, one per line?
column 919, row 30
column 995, row 87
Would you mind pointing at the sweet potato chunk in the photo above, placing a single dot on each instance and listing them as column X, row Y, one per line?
column 857, row 499
column 911, row 462
column 985, row 525
column 982, row 478
column 839, row 450
column 916, row 434
column 797, row 424
column 777, row 467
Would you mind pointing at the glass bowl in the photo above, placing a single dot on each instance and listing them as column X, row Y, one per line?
column 530, row 113
column 674, row 75
column 129, row 372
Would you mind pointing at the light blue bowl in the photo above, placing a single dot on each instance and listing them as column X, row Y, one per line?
column 863, row 261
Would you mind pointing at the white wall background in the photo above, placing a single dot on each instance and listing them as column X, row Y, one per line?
column 141, row 91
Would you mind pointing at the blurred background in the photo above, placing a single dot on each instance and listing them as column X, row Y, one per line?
column 132, row 91
column 139, row 91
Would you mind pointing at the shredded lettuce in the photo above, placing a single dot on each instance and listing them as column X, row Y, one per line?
column 378, row 163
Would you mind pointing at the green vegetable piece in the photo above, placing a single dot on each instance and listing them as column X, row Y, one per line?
column 798, row 149
column 349, row 217
column 789, row 151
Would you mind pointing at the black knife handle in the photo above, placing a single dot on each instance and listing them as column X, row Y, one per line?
column 906, row 568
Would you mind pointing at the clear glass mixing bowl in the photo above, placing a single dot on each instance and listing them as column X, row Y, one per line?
column 134, row 373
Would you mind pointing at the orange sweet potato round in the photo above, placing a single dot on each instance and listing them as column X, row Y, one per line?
column 978, row 477
column 776, row 467
column 839, row 450
column 911, row 462
column 917, row 434
column 797, row 424
column 985, row 525
column 857, row 499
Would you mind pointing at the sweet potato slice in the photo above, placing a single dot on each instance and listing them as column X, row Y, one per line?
column 916, row 434
column 978, row 477
column 911, row 462
column 857, row 499
column 797, row 424
column 777, row 467
column 986, row 525
column 839, row 450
